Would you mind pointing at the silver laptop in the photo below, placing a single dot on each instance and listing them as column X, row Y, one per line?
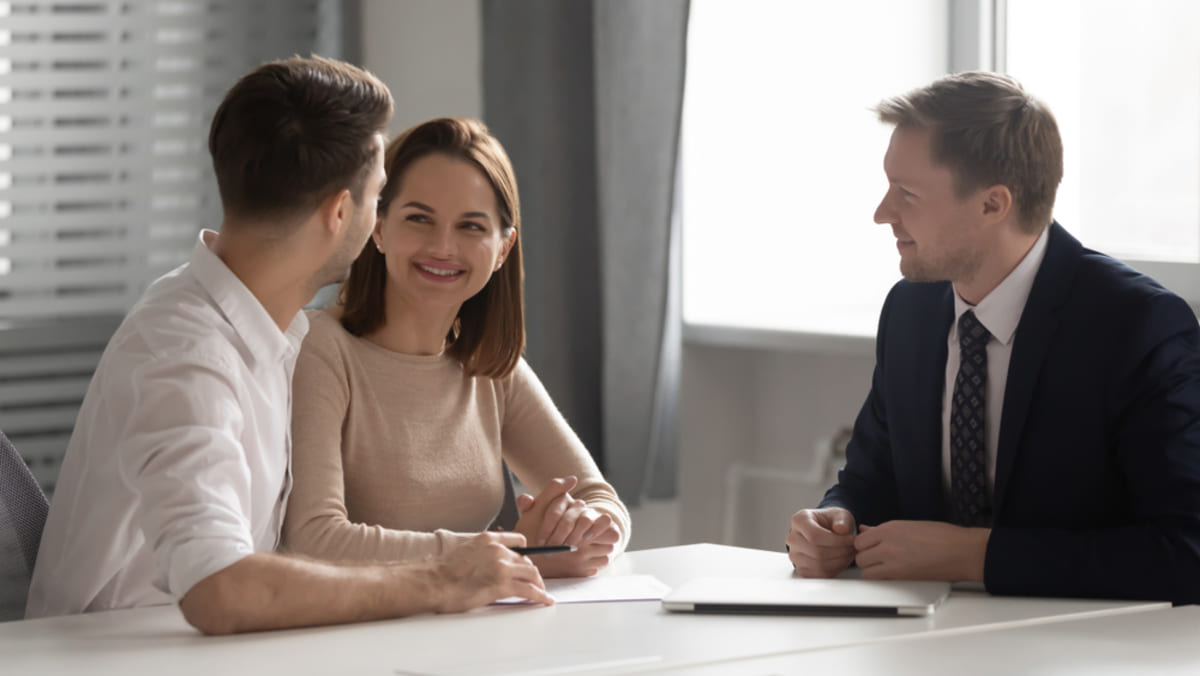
column 800, row 596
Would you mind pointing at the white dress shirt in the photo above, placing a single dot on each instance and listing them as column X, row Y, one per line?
column 999, row 312
column 179, row 465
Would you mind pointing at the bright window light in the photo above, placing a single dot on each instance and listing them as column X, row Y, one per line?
column 782, row 158
column 1123, row 79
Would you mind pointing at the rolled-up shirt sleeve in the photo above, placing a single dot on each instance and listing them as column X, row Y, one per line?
column 183, row 457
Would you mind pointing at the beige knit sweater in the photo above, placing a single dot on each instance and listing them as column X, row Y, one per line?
column 397, row 456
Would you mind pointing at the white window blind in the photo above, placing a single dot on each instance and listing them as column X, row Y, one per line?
column 105, row 177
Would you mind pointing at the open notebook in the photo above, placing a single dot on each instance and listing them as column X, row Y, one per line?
column 795, row 595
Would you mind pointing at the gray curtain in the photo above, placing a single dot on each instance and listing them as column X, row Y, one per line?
column 586, row 96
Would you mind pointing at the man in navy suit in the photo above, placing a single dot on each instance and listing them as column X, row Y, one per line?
column 1034, row 417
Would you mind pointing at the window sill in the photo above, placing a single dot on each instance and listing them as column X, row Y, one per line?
column 777, row 340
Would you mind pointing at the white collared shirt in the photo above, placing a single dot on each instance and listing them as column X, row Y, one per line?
column 999, row 312
column 179, row 465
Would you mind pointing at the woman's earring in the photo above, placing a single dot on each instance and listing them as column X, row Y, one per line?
column 378, row 248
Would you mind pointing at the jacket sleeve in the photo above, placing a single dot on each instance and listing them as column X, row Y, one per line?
column 866, row 485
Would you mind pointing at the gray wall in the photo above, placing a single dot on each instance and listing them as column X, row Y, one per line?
column 755, row 422
column 428, row 53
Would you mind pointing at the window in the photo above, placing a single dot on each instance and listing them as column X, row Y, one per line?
column 781, row 158
column 104, row 110
column 1123, row 80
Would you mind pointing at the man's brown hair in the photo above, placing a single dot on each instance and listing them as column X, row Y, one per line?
column 488, row 335
column 294, row 131
column 988, row 131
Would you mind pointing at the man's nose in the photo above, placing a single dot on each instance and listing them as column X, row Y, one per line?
column 883, row 212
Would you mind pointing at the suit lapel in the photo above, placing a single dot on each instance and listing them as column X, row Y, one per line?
column 924, row 406
column 1037, row 327
column 933, row 397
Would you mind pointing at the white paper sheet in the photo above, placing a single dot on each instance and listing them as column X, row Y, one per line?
column 602, row 588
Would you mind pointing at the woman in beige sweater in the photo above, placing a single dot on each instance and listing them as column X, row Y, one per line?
column 411, row 390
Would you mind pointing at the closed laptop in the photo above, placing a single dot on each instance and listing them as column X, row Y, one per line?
column 801, row 596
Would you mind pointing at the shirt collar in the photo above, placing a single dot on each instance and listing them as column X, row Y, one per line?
column 242, row 308
column 1000, row 311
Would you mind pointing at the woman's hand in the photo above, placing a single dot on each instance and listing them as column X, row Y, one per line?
column 556, row 518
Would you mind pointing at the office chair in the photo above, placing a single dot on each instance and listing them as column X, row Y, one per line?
column 23, row 510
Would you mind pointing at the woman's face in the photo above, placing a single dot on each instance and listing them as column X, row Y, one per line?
column 441, row 234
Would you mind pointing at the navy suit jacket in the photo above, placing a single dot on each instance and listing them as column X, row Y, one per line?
column 1097, row 488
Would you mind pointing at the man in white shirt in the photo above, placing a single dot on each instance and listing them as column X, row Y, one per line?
column 176, row 478
column 1034, row 418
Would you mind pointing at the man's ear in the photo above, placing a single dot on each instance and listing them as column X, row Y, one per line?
column 997, row 203
column 336, row 211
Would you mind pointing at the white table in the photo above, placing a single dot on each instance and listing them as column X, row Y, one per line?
column 1160, row 642
column 568, row 638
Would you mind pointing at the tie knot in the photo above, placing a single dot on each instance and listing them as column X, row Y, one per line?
column 971, row 333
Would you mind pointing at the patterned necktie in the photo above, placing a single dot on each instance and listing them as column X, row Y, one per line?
column 968, row 451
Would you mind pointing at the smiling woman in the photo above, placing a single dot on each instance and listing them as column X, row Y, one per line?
column 455, row 205
column 411, row 392
column 441, row 239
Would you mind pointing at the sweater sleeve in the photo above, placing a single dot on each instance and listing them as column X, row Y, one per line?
column 317, row 522
column 540, row 446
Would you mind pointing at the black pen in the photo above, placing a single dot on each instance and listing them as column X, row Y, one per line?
column 546, row 549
